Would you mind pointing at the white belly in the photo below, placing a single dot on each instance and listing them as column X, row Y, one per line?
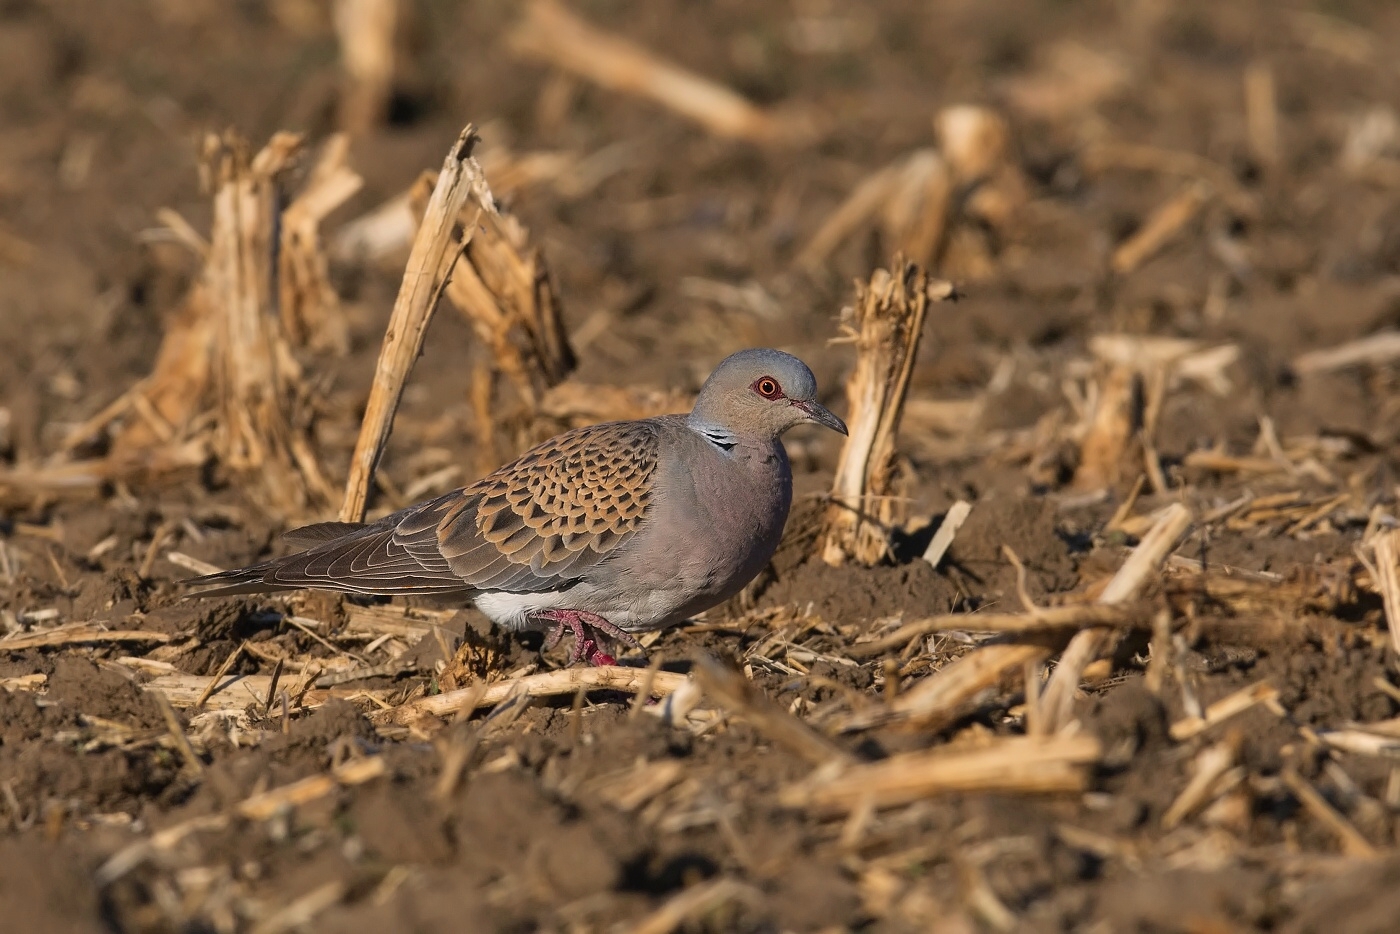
column 643, row 608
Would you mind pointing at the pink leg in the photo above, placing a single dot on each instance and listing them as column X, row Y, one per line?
column 585, row 646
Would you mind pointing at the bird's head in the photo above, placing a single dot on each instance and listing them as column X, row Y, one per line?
column 761, row 393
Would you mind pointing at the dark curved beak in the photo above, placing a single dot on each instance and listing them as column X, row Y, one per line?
column 818, row 414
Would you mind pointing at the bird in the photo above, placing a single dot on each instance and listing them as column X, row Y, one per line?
column 606, row 530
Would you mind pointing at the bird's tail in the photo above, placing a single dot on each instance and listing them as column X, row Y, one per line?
column 339, row 556
column 261, row 578
column 251, row 579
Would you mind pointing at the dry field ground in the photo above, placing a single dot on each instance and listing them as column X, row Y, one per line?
column 1098, row 632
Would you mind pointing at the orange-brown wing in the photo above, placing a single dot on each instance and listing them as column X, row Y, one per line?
column 548, row 516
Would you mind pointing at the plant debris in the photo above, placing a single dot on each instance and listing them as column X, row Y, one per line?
column 1109, row 636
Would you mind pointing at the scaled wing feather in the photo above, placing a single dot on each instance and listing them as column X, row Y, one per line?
column 534, row 525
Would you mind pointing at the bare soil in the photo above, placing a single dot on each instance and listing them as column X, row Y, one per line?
column 101, row 104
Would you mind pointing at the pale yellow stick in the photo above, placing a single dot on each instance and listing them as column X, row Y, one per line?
column 413, row 310
column 1058, row 700
column 564, row 681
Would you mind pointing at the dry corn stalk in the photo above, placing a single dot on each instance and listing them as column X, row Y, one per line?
column 922, row 199
column 228, row 340
column 175, row 392
column 553, row 34
column 976, row 141
column 1117, row 434
column 910, row 197
column 1010, row 765
column 884, row 324
column 501, row 283
column 915, row 219
column 990, row 187
column 868, row 198
column 309, row 305
column 365, row 29
column 938, row 700
column 435, row 247
column 1261, row 113
column 1174, row 360
column 1387, row 553
column 226, row 356
column 1111, row 439
column 1142, row 567
column 1376, row 349
column 1161, row 227
column 260, row 398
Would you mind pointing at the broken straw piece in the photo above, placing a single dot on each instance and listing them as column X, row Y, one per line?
column 947, row 529
column 553, row 34
column 1010, row 765
column 1147, row 559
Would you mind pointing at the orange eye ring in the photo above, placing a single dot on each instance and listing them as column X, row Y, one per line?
column 767, row 387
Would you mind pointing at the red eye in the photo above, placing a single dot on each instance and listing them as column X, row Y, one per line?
column 768, row 388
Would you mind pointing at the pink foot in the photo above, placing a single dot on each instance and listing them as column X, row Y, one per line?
column 585, row 646
column 596, row 656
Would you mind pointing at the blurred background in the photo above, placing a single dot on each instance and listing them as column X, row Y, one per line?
column 1265, row 134
column 1175, row 229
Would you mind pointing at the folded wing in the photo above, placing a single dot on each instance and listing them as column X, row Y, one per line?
column 536, row 524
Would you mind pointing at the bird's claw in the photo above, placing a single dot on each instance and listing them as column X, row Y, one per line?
column 585, row 646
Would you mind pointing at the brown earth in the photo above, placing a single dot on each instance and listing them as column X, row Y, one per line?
column 101, row 104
